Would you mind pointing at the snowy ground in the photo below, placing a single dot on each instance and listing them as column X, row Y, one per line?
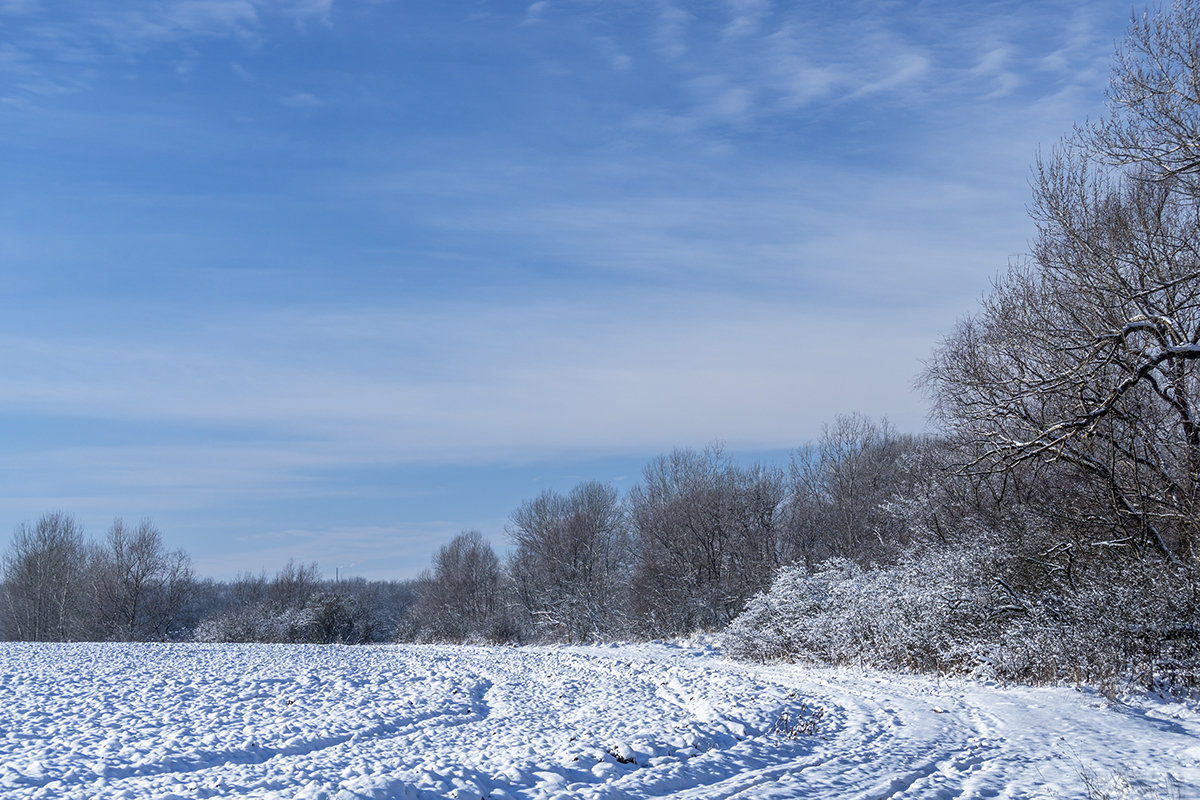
column 186, row 721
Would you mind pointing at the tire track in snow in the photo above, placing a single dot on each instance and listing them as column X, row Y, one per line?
column 924, row 741
column 865, row 734
column 401, row 723
column 284, row 759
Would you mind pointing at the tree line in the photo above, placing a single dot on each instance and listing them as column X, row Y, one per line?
column 58, row 585
column 681, row 551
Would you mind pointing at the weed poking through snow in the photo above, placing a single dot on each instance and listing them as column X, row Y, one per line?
column 804, row 721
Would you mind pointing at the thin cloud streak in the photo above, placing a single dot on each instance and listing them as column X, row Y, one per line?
column 371, row 552
column 482, row 382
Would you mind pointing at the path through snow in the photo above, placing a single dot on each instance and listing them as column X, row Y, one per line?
column 345, row 723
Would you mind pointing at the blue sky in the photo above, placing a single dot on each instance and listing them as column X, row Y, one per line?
column 334, row 280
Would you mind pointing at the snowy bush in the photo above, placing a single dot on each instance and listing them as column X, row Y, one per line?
column 326, row 617
column 984, row 609
column 1132, row 622
column 925, row 613
column 261, row 622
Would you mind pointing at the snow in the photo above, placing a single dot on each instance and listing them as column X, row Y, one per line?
column 347, row 723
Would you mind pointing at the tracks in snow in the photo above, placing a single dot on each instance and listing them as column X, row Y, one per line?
column 385, row 723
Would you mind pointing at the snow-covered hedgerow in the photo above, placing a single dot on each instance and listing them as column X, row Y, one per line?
column 326, row 617
column 1136, row 621
column 964, row 610
column 926, row 613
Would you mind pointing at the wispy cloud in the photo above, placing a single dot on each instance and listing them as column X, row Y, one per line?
column 535, row 11
column 302, row 100
column 472, row 382
column 137, row 24
column 620, row 60
column 746, row 17
column 53, row 51
column 670, row 31
column 763, row 62
column 995, row 68
column 904, row 70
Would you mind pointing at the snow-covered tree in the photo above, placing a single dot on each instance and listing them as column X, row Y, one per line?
column 569, row 567
column 841, row 490
column 460, row 598
column 1088, row 354
column 707, row 535
column 139, row 588
column 44, row 572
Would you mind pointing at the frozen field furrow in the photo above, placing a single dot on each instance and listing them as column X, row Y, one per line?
column 340, row 723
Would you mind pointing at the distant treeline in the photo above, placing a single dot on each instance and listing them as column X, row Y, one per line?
column 680, row 552
column 60, row 586
column 870, row 547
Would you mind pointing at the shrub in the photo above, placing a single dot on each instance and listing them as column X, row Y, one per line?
column 981, row 609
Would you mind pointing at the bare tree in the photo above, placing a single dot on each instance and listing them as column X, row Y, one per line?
column 568, row 568
column 293, row 584
column 247, row 589
column 707, row 535
column 459, row 599
column 841, row 489
column 139, row 587
column 44, row 570
column 1154, row 97
column 1088, row 354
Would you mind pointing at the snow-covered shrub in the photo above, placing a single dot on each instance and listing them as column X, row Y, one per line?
column 1137, row 621
column 325, row 618
column 927, row 612
column 792, row 619
column 985, row 608
column 298, row 606
column 260, row 622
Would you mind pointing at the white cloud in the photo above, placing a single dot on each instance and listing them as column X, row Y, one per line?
column 185, row 19
column 535, row 11
column 995, row 68
column 898, row 73
column 746, row 17
column 134, row 26
column 776, row 61
column 53, row 50
column 302, row 100
column 760, row 65
column 670, row 33
column 206, row 17
column 479, row 381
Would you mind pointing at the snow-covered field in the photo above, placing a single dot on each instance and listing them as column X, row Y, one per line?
column 291, row 721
